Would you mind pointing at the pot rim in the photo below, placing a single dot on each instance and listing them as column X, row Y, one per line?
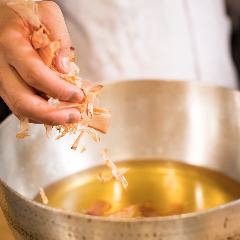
column 167, row 81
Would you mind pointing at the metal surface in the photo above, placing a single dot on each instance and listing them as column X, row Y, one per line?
column 5, row 232
column 151, row 119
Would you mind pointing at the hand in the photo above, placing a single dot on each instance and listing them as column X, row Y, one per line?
column 23, row 74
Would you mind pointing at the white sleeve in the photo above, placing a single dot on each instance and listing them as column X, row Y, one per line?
column 120, row 39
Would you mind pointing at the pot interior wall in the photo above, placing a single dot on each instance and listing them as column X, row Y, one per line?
column 171, row 120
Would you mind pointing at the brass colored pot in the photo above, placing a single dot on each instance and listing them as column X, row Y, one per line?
column 190, row 122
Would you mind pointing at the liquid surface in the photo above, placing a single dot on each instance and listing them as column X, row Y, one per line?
column 163, row 187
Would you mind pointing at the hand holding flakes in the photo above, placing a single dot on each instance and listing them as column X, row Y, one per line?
column 89, row 116
column 24, row 76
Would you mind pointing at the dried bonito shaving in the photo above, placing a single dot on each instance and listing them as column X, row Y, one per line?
column 76, row 143
column 138, row 210
column 103, row 208
column 98, row 208
column 23, row 132
column 48, row 129
column 92, row 116
column 132, row 211
column 43, row 196
column 83, row 149
column 117, row 173
column 40, row 38
column 49, row 52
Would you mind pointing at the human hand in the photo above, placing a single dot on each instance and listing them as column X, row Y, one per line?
column 23, row 75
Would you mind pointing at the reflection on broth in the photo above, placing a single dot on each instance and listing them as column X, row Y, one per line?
column 156, row 188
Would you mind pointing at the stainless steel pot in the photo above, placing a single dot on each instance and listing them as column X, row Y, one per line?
column 197, row 124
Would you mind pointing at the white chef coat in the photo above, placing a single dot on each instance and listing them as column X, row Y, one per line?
column 154, row 39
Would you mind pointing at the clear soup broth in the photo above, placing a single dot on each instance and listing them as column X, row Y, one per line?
column 156, row 188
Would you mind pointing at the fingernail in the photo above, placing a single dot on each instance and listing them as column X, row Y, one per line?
column 77, row 97
column 62, row 61
column 74, row 117
column 66, row 63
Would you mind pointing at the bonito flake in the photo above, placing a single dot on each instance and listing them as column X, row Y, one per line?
column 117, row 173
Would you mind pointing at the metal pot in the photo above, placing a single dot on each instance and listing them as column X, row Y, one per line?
column 197, row 124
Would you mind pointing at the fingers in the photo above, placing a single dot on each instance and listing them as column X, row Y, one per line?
column 55, row 24
column 36, row 74
column 28, row 63
column 58, row 30
column 23, row 101
column 19, row 83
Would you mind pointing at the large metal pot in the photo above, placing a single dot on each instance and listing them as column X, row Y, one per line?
column 197, row 124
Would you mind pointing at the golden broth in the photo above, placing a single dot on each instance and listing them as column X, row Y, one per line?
column 167, row 187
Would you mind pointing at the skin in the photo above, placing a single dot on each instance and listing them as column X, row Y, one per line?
column 23, row 74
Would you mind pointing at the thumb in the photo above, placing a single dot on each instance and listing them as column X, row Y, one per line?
column 61, row 61
column 51, row 16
